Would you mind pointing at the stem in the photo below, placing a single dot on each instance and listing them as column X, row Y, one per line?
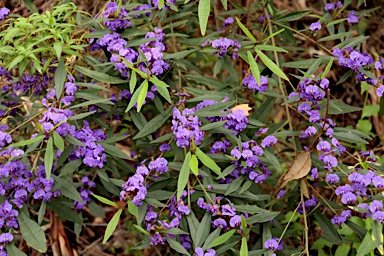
column 305, row 225
column 279, row 79
column 303, row 35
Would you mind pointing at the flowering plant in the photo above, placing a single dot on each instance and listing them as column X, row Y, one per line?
column 199, row 124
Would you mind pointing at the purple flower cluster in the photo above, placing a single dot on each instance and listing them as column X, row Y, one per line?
column 5, row 238
column 153, row 52
column 85, row 192
column 247, row 160
column 357, row 61
column 92, row 153
column 225, row 46
column 156, row 227
column 344, row 216
column 237, row 121
column 142, row 8
column 331, row 6
column 250, row 82
column 185, row 127
column 4, row 12
column 220, row 146
column 115, row 18
column 225, row 213
column 134, row 188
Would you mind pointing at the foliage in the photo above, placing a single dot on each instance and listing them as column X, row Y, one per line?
column 199, row 119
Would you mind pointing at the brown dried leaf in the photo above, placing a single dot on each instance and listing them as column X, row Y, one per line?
column 244, row 107
column 304, row 188
column 299, row 169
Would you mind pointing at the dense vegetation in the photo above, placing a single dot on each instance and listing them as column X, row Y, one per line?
column 192, row 128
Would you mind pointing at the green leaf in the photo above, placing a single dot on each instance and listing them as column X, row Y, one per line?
column 135, row 96
column 12, row 250
column 366, row 246
column 141, row 230
column 335, row 36
column 154, row 124
column 271, row 65
column 178, row 55
column 68, row 189
column 30, row 6
column 266, row 47
column 377, row 236
column 327, row 68
column 364, row 126
column 252, row 209
column 73, row 140
column 48, row 158
column 262, row 217
column 105, row 201
column 102, row 77
column 184, row 175
column 370, row 110
column 212, row 126
column 27, row 142
column 293, row 16
column 60, row 76
column 114, row 151
column 202, row 231
column 207, row 161
column 32, row 233
column 234, row 185
column 65, row 211
column 175, row 231
column 327, row 226
column 59, row 142
column 112, row 225
column 41, row 213
column 194, row 165
column 132, row 209
column 343, row 250
column 203, row 12
column 132, row 81
column 381, row 106
column 215, row 234
column 254, row 68
column 246, row 31
column 222, row 239
column 81, row 116
column 244, row 247
column 177, row 246
column 142, row 95
column 92, row 102
column 349, row 137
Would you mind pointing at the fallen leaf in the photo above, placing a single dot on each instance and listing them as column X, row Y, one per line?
column 304, row 188
column 244, row 107
column 301, row 167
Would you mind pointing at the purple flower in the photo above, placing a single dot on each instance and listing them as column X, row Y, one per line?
column 380, row 91
column 164, row 148
column 330, row 161
column 281, row 194
column 4, row 12
column 269, row 141
column 329, row 7
column 332, row 178
column 376, row 206
column 235, row 221
column 378, row 181
column 379, row 217
column 352, row 18
column 228, row 21
column 250, row 82
column 219, row 223
column 314, row 173
column 271, row 244
column 348, row 198
column 316, row 26
column 323, row 146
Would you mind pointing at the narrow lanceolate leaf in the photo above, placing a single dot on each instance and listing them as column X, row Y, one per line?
column 112, row 225
column 244, row 247
column 254, row 68
column 209, row 162
column 135, row 95
column 222, row 239
column 132, row 81
column 27, row 142
column 132, row 208
column 48, row 158
column 100, row 76
column 327, row 68
column 154, row 124
column 105, row 200
column 203, row 12
column 271, row 65
column 32, row 233
column 246, row 31
column 194, row 164
column 184, row 175
column 59, row 142
column 177, row 246
column 60, row 76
